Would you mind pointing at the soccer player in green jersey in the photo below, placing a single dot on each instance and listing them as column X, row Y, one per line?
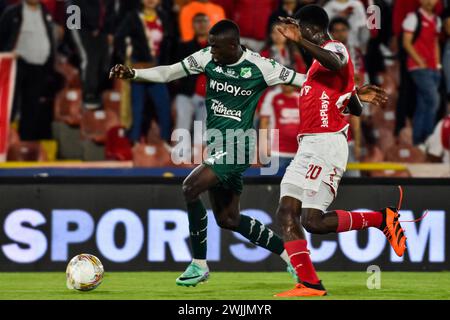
column 236, row 79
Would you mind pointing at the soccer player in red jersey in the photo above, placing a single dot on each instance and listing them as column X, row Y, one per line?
column 311, row 181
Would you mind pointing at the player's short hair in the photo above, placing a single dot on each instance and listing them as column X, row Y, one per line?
column 313, row 15
column 226, row 27
column 338, row 20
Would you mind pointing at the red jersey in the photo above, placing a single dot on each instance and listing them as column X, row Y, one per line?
column 283, row 113
column 403, row 7
column 325, row 94
column 425, row 44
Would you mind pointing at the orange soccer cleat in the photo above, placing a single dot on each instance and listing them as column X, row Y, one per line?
column 391, row 226
column 304, row 290
column 393, row 230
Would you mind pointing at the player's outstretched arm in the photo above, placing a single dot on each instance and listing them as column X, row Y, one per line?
column 367, row 93
column 290, row 29
column 160, row 74
column 299, row 80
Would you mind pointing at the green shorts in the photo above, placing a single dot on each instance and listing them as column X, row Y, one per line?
column 229, row 175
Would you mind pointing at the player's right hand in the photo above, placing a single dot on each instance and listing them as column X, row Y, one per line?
column 119, row 71
column 290, row 28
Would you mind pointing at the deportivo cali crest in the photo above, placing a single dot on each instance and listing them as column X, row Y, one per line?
column 246, row 72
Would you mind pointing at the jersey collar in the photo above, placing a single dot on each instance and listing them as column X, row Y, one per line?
column 243, row 57
column 426, row 14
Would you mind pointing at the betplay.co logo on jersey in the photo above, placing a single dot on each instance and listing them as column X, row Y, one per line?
column 325, row 103
column 229, row 88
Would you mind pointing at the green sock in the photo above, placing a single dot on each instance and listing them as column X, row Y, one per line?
column 198, row 223
column 260, row 235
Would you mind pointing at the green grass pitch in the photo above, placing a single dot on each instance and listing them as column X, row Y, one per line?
column 224, row 286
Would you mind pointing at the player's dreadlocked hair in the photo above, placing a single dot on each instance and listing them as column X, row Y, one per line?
column 313, row 15
column 226, row 27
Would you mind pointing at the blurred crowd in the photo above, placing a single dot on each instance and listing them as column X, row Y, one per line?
column 63, row 93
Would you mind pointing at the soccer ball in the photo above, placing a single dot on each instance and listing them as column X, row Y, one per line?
column 84, row 272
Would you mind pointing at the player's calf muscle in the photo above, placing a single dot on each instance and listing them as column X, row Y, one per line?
column 289, row 220
column 315, row 227
column 227, row 221
column 316, row 222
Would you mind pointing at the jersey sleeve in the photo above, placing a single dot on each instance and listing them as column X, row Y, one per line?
column 160, row 74
column 196, row 62
column 410, row 23
column 338, row 48
column 275, row 73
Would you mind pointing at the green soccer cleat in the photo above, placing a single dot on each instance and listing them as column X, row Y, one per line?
column 193, row 275
column 290, row 269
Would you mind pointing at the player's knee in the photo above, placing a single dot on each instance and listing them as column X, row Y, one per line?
column 286, row 214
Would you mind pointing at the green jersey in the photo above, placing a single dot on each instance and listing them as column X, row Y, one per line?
column 232, row 95
column 233, row 91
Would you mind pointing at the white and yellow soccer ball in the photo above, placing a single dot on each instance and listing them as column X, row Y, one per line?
column 84, row 272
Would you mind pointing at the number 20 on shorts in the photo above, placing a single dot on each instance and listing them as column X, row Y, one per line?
column 313, row 172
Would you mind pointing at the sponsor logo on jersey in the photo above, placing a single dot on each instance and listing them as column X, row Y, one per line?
column 218, row 69
column 305, row 90
column 325, row 99
column 229, row 73
column 284, row 74
column 339, row 49
column 193, row 64
column 246, row 72
column 229, row 88
column 221, row 111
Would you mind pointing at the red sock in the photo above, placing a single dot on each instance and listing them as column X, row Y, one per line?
column 357, row 220
column 299, row 256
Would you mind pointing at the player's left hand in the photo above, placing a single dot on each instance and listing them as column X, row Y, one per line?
column 290, row 28
column 372, row 94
